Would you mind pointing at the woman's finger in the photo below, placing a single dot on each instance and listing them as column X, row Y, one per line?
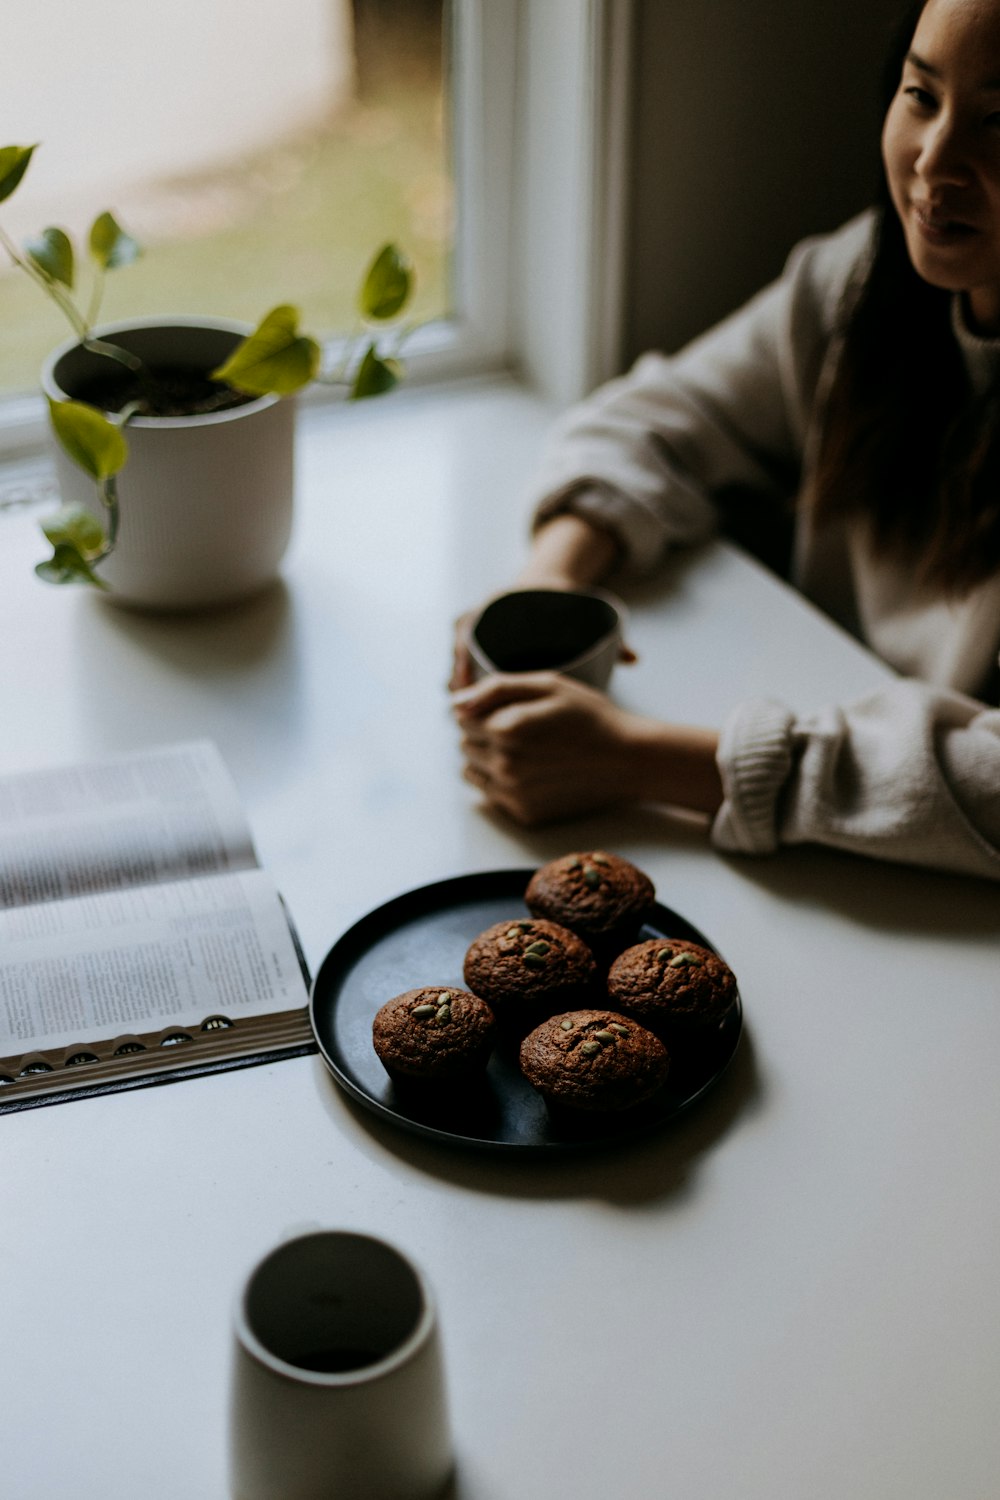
column 475, row 737
column 480, row 756
column 461, row 663
column 499, row 798
column 491, row 693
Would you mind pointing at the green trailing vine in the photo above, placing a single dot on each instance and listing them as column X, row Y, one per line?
column 276, row 359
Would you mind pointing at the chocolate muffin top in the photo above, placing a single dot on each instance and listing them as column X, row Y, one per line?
column 670, row 985
column 600, row 896
column 521, row 963
column 594, row 1060
column 433, row 1032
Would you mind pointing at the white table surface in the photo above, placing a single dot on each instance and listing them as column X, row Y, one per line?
column 789, row 1294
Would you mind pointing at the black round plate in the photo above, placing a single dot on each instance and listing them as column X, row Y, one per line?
column 421, row 938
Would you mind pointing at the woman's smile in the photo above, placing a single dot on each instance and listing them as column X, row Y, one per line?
column 940, row 228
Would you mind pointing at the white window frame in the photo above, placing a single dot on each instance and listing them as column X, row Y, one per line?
column 541, row 107
column 541, row 102
column 571, row 190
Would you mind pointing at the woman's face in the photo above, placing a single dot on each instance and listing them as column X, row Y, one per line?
column 941, row 148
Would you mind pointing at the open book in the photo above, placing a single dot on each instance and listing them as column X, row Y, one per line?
column 139, row 939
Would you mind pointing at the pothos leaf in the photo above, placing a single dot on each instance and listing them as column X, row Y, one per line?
column 90, row 439
column 52, row 252
column 110, row 245
column 76, row 527
column 13, row 165
column 66, row 565
column 387, row 285
column 375, row 375
column 273, row 360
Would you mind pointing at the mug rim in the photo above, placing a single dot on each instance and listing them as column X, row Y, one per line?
column 617, row 630
column 418, row 1336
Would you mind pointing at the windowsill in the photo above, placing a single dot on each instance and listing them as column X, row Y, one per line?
column 457, row 456
column 442, row 354
column 452, row 460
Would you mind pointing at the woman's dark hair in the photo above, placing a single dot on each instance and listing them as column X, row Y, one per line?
column 905, row 443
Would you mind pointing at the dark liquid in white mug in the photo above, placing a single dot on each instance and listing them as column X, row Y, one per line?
column 536, row 630
column 335, row 1360
column 529, row 661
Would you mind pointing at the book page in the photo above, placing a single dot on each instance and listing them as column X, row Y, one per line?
column 99, row 966
column 163, row 814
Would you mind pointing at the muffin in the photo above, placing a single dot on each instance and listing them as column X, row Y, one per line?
column 680, row 990
column 594, row 1061
column 434, row 1034
column 600, row 897
column 527, row 969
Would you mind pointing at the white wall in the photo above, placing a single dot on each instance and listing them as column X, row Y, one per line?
column 755, row 123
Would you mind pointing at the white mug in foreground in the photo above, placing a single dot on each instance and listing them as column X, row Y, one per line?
column 338, row 1388
column 577, row 632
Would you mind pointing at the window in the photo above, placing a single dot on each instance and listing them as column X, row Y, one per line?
column 484, row 135
column 260, row 155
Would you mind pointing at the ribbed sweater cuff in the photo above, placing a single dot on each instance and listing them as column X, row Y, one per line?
column 754, row 758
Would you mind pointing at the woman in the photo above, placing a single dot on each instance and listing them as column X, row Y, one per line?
column 869, row 376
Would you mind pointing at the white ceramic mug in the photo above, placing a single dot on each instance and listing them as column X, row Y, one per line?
column 338, row 1386
column 577, row 632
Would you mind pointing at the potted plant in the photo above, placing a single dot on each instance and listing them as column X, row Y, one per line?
column 175, row 434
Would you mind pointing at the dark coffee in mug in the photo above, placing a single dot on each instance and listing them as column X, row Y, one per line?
column 575, row 631
column 336, row 1359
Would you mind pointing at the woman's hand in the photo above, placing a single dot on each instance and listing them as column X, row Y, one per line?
column 542, row 747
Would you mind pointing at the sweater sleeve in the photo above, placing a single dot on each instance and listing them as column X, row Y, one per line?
column 911, row 774
column 644, row 455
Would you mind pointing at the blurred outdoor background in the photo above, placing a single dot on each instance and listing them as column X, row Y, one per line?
column 260, row 153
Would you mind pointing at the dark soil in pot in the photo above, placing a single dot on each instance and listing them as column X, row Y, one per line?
column 173, row 391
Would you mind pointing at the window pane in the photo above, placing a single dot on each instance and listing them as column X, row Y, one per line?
column 260, row 154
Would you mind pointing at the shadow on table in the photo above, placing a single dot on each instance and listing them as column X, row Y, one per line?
column 469, row 1483
column 648, row 1168
column 466, row 1483
column 638, row 827
column 238, row 636
column 177, row 676
column 895, row 899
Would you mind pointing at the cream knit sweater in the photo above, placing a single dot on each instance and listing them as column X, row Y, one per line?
column 911, row 773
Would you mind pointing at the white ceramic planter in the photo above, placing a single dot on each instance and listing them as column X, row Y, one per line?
column 205, row 501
